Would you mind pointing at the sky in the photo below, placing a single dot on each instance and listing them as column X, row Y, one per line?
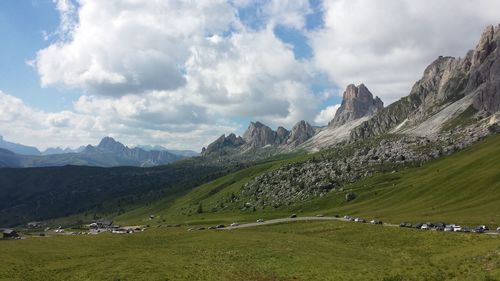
column 180, row 73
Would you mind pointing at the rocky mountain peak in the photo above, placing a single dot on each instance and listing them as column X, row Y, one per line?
column 259, row 135
column 301, row 132
column 357, row 102
column 110, row 144
column 281, row 135
column 223, row 142
column 487, row 44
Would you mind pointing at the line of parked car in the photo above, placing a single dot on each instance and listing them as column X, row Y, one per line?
column 447, row 227
column 360, row 220
column 430, row 226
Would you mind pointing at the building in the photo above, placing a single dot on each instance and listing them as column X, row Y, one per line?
column 9, row 233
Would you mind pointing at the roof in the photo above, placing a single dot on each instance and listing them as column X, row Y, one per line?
column 8, row 231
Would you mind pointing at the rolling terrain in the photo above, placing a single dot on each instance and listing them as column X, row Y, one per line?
column 460, row 188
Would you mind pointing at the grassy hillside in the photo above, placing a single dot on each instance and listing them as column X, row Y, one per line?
column 294, row 251
column 462, row 188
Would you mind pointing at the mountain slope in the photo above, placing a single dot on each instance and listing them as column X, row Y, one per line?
column 461, row 188
column 18, row 148
column 457, row 82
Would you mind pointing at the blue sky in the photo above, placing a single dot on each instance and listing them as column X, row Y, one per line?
column 22, row 24
column 180, row 74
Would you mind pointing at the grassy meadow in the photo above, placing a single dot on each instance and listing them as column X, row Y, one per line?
column 292, row 251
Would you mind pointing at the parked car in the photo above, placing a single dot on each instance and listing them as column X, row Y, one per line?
column 347, row 217
column 478, row 230
column 375, row 222
column 320, row 215
column 457, row 228
column 425, row 226
column 260, row 220
column 359, row 220
column 293, row 216
column 498, row 229
column 440, row 228
column 465, row 229
column 234, row 224
column 403, row 224
column 337, row 216
column 484, row 227
column 417, row 225
column 220, row 226
column 212, row 227
column 448, row 228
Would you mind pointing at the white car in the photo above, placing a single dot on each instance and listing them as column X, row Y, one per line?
column 234, row 224
column 424, row 226
column 498, row 229
column 457, row 228
column 260, row 220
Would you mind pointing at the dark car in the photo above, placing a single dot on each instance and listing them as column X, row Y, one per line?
column 440, row 228
column 220, row 226
column 212, row 227
column 293, row 216
column 337, row 216
column 403, row 224
column 478, row 230
column 418, row 225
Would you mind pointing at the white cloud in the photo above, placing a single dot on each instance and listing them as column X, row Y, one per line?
column 89, row 123
column 326, row 115
column 177, row 73
column 287, row 12
column 387, row 44
column 129, row 47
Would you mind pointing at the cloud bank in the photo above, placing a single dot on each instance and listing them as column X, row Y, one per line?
column 180, row 73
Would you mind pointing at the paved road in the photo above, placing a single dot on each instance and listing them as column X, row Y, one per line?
column 283, row 220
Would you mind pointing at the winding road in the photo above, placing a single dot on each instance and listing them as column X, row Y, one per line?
column 285, row 220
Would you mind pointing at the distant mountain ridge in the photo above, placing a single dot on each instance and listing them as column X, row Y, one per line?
column 108, row 153
column 184, row 153
column 19, row 148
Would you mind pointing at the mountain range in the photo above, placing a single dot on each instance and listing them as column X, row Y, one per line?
column 452, row 93
column 108, row 153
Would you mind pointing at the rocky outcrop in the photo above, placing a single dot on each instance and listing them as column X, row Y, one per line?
column 445, row 81
column 282, row 135
column 347, row 163
column 357, row 102
column 301, row 132
column 485, row 71
column 259, row 135
column 222, row 143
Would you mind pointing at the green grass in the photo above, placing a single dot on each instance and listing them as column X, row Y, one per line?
column 462, row 188
column 293, row 251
